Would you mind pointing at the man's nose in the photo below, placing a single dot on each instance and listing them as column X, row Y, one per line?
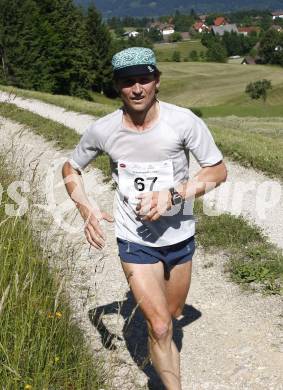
column 137, row 88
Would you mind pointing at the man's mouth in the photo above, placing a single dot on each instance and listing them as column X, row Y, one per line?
column 137, row 98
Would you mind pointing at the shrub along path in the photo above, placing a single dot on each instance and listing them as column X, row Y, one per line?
column 229, row 339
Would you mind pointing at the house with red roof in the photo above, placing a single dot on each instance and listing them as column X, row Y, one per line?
column 200, row 26
column 220, row 21
column 164, row 28
column 247, row 30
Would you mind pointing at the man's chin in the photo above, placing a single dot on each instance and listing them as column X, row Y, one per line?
column 138, row 105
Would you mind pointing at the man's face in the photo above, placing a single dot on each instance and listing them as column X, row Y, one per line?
column 138, row 92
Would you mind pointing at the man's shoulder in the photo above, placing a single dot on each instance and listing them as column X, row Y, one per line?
column 109, row 119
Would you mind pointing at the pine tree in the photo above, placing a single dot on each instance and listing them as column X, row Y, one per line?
column 62, row 47
column 98, row 45
column 10, row 20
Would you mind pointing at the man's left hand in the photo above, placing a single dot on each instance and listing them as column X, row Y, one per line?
column 153, row 205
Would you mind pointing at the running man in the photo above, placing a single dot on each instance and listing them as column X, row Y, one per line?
column 148, row 142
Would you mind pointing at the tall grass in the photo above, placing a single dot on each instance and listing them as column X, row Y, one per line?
column 255, row 109
column 40, row 346
column 256, row 147
column 252, row 258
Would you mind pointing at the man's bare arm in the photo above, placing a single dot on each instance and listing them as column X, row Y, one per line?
column 75, row 188
column 204, row 181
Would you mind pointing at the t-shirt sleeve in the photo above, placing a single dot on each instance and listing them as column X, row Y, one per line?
column 199, row 141
column 87, row 149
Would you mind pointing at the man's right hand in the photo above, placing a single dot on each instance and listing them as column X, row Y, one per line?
column 91, row 215
column 93, row 231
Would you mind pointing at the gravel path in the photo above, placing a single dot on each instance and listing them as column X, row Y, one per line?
column 229, row 339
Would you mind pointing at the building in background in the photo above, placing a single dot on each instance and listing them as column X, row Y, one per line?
column 200, row 27
column 220, row 21
column 220, row 30
column 277, row 14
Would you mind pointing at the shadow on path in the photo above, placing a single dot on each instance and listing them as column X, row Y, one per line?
column 135, row 332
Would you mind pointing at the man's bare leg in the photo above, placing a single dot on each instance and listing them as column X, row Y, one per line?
column 177, row 287
column 165, row 358
column 147, row 284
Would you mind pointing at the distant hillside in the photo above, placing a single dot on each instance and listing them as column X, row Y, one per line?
column 164, row 7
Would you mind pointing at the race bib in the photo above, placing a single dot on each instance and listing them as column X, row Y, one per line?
column 136, row 178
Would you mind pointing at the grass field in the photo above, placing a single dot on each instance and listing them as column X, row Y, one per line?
column 40, row 346
column 211, row 84
column 267, row 127
column 164, row 51
column 253, row 258
column 253, row 142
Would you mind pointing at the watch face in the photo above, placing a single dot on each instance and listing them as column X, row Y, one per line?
column 177, row 198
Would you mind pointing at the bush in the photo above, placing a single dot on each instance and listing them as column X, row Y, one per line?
column 258, row 89
column 176, row 56
column 194, row 55
column 175, row 37
column 216, row 53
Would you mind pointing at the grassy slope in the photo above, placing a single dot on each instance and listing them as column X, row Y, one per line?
column 252, row 257
column 210, row 84
column 254, row 142
column 40, row 347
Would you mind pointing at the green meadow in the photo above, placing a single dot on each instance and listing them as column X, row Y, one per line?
column 203, row 84
column 164, row 51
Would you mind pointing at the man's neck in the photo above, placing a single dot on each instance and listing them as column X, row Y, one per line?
column 141, row 120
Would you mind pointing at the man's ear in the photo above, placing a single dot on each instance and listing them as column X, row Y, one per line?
column 157, row 84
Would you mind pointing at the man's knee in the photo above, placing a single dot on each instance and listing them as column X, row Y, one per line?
column 160, row 329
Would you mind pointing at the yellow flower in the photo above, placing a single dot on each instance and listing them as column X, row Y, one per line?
column 58, row 314
column 50, row 315
column 56, row 359
column 28, row 387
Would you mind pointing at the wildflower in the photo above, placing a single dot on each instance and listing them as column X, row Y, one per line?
column 28, row 387
column 58, row 314
column 56, row 359
column 50, row 315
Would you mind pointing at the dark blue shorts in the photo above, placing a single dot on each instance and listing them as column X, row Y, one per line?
column 170, row 255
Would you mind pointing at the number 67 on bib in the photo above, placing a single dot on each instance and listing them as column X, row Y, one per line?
column 136, row 178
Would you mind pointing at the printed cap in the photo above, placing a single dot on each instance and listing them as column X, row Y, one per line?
column 134, row 61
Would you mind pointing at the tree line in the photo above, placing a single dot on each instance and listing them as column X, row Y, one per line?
column 55, row 46
column 269, row 51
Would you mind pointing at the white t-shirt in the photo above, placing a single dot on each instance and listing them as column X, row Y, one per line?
column 150, row 160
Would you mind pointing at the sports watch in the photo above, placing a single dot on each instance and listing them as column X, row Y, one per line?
column 176, row 198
